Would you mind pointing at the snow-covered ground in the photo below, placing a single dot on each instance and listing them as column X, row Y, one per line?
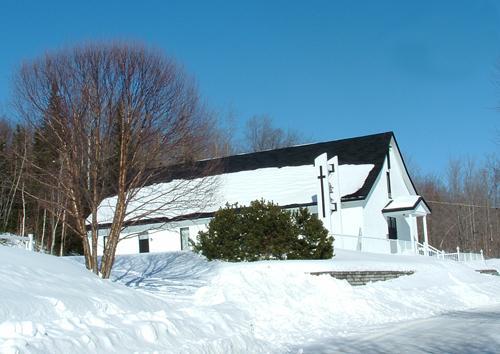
column 473, row 331
column 487, row 264
column 178, row 302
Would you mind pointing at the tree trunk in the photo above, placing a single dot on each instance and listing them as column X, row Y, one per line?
column 55, row 224
column 23, row 222
column 42, row 246
column 108, row 257
column 14, row 188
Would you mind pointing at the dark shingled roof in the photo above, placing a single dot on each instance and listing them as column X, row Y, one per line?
column 370, row 149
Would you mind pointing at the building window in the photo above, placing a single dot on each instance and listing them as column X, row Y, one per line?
column 184, row 238
column 389, row 191
column 393, row 228
column 143, row 242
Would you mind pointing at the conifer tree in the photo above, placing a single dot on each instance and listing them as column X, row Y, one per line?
column 263, row 230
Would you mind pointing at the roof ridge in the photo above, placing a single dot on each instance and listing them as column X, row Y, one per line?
column 390, row 132
column 368, row 149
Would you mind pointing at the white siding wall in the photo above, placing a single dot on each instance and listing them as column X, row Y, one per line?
column 162, row 237
column 352, row 218
column 398, row 175
column 352, row 222
column 401, row 186
column 403, row 226
column 375, row 223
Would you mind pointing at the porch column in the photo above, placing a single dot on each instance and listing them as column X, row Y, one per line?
column 412, row 233
column 426, row 238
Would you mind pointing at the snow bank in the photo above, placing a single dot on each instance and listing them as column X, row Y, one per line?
column 493, row 263
column 11, row 240
column 287, row 305
column 179, row 302
column 54, row 305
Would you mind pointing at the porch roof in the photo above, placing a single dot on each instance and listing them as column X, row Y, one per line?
column 410, row 204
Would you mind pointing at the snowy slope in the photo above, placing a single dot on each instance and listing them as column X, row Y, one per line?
column 178, row 302
column 54, row 305
column 286, row 306
column 474, row 331
column 492, row 264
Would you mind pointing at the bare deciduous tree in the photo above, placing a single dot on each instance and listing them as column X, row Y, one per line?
column 14, row 150
column 465, row 206
column 114, row 114
column 7, row 179
column 260, row 135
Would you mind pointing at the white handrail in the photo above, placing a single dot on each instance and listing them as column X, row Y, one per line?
column 429, row 250
column 373, row 244
column 360, row 236
column 434, row 249
column 386, row 245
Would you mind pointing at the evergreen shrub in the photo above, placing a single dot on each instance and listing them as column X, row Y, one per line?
column 264, row 231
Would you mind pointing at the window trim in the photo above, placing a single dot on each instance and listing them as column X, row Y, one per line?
column 143, row 236
column 181, row 229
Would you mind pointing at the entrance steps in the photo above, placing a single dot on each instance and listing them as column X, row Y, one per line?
column 357, row 278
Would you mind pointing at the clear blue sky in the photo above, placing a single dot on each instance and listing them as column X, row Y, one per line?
column 330, row 69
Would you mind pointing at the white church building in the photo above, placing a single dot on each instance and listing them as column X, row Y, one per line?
column 359, row 188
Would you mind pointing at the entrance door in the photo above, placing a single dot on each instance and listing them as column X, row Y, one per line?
column 144, row 243
column 184, row 238
column 393, row 229
column 393, row 234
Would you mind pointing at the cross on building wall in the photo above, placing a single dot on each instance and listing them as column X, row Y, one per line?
column 321, row 177
column 328, row 194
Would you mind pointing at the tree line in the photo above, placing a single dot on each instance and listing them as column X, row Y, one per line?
column 465, row 205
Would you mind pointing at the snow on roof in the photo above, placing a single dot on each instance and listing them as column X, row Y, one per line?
column 287, row 185
column 370, row 149
column 293, row 185
column 407, row 202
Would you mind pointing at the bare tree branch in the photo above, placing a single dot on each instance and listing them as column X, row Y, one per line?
column 260, row 134
column 114, row 115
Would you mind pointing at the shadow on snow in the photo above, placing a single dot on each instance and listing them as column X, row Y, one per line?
column 171, row 272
